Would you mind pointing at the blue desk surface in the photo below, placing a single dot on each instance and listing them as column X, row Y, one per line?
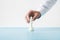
column 25, row 34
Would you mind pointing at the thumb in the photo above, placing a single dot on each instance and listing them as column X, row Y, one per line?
column 34, row 17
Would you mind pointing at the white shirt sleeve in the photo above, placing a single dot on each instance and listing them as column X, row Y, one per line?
column 45, row 7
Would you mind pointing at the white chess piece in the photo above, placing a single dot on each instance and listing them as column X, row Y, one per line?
column 31, row 25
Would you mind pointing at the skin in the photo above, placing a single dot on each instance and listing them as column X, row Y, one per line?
column 34, row 14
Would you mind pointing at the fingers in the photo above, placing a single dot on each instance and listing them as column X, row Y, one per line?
column 27, row 18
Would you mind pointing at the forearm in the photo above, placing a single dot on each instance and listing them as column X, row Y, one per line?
column 47, row 6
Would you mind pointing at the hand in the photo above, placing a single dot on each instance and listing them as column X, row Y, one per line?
column 34, row 14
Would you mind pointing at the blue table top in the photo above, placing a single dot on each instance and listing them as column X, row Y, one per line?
column 24, row 34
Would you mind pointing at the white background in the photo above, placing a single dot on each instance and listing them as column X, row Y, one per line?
column 12, row 14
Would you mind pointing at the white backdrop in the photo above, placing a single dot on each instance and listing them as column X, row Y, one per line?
column 12, row 15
